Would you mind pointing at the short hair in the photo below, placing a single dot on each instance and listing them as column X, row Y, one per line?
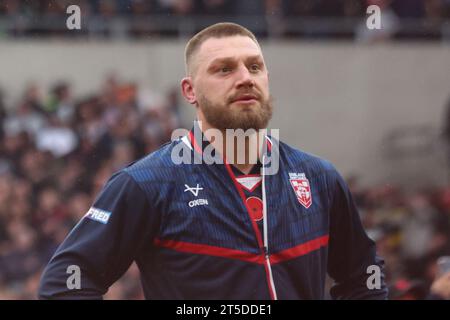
column 218, row 30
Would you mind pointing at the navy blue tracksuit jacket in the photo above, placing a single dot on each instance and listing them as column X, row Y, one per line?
column 189, row 229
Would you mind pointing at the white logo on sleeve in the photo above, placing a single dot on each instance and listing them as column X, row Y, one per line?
column 98, row 215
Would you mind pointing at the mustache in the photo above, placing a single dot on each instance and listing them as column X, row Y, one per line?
column 235, row 96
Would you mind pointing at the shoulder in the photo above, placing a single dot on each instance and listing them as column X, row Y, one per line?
column 154, row 166
column 318, row 170
column 311, row 164
column 157, row 172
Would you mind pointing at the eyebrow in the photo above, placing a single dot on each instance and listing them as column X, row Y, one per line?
column 232, row 59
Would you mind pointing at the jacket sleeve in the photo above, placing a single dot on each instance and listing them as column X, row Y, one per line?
column 102, row 245
column 352, row 258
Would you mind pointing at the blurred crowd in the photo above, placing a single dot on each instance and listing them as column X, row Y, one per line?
column 412, row 231
column 56, row 153
column 324, row 8
column 267, row 17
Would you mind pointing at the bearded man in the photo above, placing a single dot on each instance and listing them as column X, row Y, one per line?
column 267, row 222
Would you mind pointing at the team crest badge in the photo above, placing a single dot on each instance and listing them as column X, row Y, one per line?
column 302, row 188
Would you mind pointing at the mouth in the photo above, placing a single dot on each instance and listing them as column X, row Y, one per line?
column 246, row 99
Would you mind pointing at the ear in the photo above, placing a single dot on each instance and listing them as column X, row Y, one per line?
column 187, row 89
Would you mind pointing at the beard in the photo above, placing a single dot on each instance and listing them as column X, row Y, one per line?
column 225, row 116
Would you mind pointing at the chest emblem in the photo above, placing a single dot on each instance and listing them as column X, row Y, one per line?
column 302, row 188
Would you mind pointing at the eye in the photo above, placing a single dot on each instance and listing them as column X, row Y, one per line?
column 255, row 67
column 225, row 69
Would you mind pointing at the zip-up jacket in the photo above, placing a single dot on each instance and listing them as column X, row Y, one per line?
column 188, row 226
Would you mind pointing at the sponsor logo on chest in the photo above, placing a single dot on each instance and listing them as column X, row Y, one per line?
column 195, row 191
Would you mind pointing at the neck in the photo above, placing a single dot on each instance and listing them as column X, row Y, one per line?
column 239, row 149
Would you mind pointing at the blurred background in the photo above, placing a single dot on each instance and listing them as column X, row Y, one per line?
column 78, row 105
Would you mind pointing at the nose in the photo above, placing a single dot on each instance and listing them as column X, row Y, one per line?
column 244, row 78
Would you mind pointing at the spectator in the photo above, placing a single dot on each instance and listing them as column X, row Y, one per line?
column 447, row 133
column 440, row 289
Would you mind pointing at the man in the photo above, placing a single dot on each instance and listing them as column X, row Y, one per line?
column 232, row 230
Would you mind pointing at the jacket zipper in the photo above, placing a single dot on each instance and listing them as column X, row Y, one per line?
column 262, row 246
